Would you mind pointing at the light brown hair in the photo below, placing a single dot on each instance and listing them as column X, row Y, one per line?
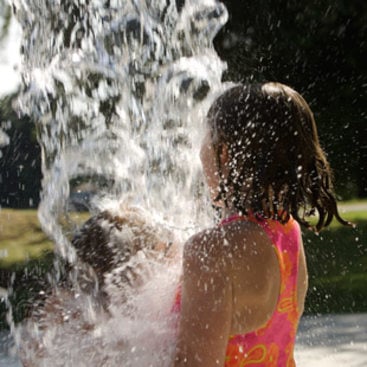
column 276, row 165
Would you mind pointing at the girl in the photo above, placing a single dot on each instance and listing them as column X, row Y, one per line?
column 245, row 280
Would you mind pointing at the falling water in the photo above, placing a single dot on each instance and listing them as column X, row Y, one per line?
column 118, row 90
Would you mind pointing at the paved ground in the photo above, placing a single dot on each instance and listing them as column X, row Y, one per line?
column 326, row 341
column 353, row 207
column 333, row 341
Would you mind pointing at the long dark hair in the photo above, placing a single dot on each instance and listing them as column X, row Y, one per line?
column 276, row 166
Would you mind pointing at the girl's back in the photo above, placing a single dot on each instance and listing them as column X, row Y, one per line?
column 255, row 272
column 264, row 329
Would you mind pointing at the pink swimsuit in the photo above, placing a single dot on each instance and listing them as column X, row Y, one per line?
column 272, row 345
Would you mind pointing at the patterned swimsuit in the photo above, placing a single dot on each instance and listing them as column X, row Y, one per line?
column 272, row 345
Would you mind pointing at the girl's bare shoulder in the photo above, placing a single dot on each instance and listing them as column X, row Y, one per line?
column 241, row 240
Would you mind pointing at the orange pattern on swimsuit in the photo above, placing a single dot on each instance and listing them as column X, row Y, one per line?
column 273, row 344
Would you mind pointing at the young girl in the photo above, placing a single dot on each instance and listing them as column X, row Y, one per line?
column 245, row 280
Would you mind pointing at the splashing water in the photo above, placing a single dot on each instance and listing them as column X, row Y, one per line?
column 118, row 90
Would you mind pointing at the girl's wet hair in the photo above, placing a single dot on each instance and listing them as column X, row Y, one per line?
column 110, row 248
column 107, row 242
column 276, row 165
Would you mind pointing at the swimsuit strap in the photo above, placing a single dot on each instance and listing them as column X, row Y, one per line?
column 232, row 218
column 237, row 217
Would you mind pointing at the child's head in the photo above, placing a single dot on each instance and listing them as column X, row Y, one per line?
column 108, row 243
column 267, row 154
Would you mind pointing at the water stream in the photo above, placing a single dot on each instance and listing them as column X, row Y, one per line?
column 118, row 90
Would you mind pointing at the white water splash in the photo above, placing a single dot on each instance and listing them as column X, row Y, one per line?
column 118, row 90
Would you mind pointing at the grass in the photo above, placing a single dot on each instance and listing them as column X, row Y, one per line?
column 21, row 237
column 337, row 264
column 26, row 259
column 337, row 261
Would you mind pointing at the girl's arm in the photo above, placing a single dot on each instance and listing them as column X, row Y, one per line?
column 205, row 320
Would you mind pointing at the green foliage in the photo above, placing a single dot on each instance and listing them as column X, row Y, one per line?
column 337, row 264
column 20, row 161
column 24, row 283
column 5, row 18
column 27, row 260
column 319, row 48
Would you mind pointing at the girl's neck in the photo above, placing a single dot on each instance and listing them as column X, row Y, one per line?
column 229, row 212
